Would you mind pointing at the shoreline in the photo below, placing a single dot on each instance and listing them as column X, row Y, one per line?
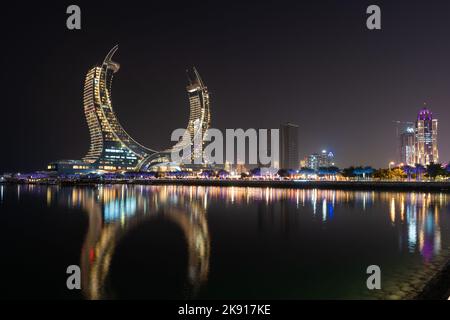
column 437, row 288
column 339, row 185
column 421, row 186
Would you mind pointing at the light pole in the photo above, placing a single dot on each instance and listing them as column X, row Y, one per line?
column 391, row 164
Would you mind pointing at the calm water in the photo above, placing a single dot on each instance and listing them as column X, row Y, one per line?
column 152, row 242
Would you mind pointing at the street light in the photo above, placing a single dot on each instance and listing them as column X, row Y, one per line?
column 391, row 164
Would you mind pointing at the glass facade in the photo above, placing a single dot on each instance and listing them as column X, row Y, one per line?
column 324, row 159
column 407, row 144
column 111, row 147
column 198, row 124
column 426, row 138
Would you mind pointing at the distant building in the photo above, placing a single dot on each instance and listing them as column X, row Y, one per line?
column 426, row 149
column 70, row 167
column 289, row 157
column 313, row 161
column 407, row 138
column 304, row 162
column 323, row 159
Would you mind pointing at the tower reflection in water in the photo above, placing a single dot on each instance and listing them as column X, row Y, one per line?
column 113, row 210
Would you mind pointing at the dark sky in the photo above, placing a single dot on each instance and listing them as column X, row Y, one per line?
column 312, row 63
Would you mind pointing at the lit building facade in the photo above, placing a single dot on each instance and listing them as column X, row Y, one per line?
column 200, row 113
column 70, row 167
column 111, row 147
column 407, row 139
column 426, row 149
column 289, row 157
column 325, row 159
column 198, row 124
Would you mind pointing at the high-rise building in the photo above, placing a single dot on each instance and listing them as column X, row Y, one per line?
column 198, row 124
column 324, row 159
column 426, row 149
column 111, row 147
column 407, row 138
column 289, row 156
column 200, row 113
column 313, row 161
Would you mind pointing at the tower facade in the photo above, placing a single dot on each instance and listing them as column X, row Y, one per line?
column 197, row 126
column 325, row 159
column 426, row 149
column 289, row 146
column 200, row 113
column 111, row 148
column 407, row 140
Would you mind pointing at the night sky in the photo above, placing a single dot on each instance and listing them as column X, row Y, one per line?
column 312, row 63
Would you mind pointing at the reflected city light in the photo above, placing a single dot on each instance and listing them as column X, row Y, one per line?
column 113, row 210
column 418, row 211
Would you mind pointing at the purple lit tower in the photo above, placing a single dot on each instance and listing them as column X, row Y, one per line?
column 426, row 150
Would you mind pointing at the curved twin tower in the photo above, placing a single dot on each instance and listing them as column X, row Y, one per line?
column 111, row 147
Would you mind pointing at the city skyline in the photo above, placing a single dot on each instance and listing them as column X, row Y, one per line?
column 330, row 114
column 214, row 159
column 111, row 147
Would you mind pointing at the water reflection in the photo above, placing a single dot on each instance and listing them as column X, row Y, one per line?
column 114, row 210
column 419, row 214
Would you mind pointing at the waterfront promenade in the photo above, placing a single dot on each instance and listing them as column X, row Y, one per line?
column 420, row 186
column 339, row 185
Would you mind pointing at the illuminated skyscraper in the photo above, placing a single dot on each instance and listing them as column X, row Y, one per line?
column 198, row 102
column 200, row 113
column 198, row 124
column 426, row 149
column 324, row 159
column 111, row 147
column 407, row 138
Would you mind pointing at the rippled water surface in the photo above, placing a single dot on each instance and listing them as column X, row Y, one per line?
column 152, row 242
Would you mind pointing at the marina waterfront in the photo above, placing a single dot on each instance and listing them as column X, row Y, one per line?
column 210, row 242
